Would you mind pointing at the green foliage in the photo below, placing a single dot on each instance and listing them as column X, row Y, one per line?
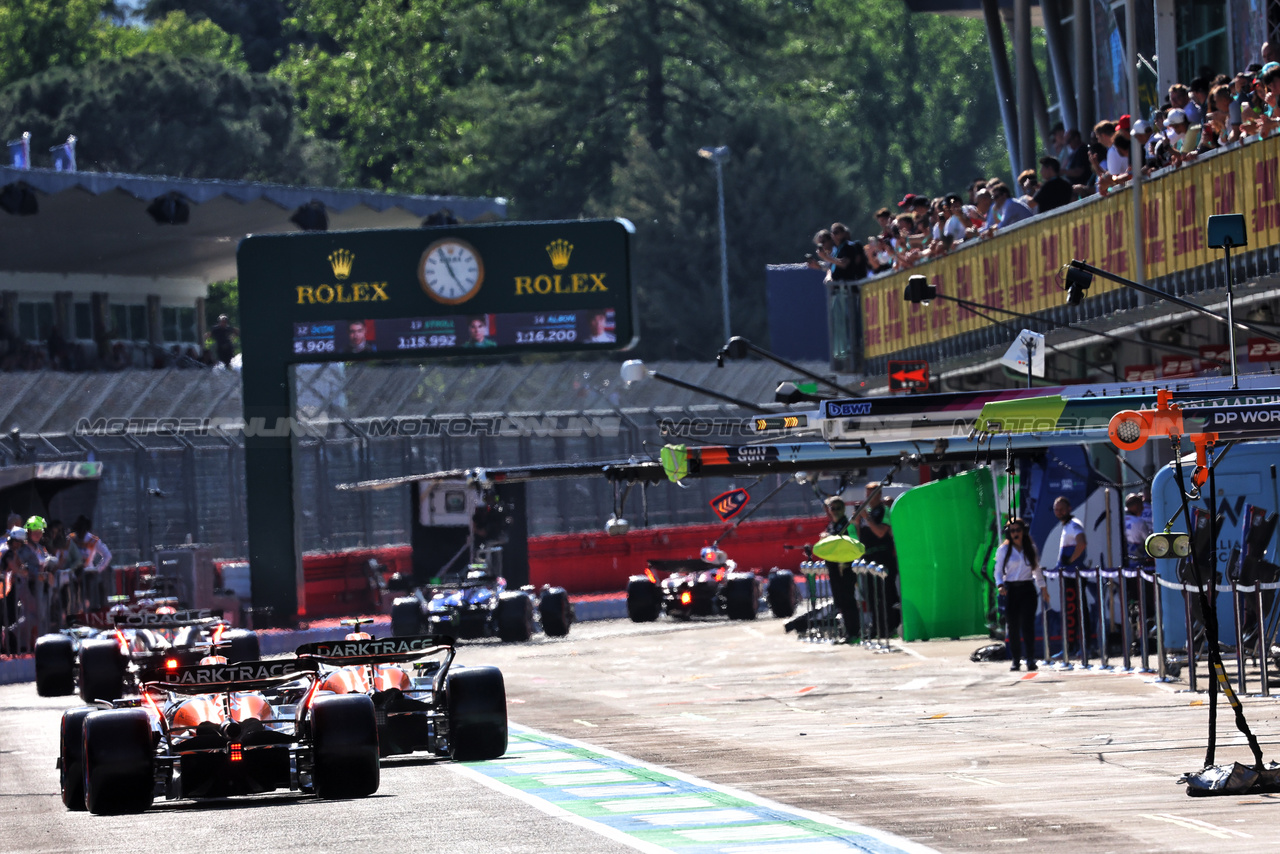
column 257, row 24
column 175, row 35
column 573, row 107
column 157, row 114
column 565, row 107
column 36, row 35
column 223, row 298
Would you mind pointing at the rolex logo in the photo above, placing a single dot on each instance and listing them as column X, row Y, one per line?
column 341, row 261
column 559, row 250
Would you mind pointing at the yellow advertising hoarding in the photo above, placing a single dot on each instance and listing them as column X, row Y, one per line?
column 1018, row 271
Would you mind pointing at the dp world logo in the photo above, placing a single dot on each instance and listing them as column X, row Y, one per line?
column 727, row 504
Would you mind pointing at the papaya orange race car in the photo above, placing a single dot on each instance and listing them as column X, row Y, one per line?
column 215, row 729
column 422, row 702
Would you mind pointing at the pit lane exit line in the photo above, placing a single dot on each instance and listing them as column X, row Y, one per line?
column 660, row 810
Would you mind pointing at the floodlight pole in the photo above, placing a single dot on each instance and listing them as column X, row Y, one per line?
column 1231, row 324
column 718, row 155
column 1030, row 344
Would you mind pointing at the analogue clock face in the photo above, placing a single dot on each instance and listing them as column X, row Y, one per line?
column 451, row 271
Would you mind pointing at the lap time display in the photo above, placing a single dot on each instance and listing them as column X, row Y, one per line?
column 461, row 333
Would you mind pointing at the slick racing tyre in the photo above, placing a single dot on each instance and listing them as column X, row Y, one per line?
column 406, row 618
column 119, row 760
column 740, row 600
column 556, row 612
column 515, row 617
column 344, row 730
column 71, row 758
column 101, row 670
column 55, row 666
column 782, row 593
column 476, row 698
column 243, row 646
column 644, row 600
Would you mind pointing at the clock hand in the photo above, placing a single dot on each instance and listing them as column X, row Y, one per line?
column 449, row 267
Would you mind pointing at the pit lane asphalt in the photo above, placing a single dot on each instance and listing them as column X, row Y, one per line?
column 921, row 743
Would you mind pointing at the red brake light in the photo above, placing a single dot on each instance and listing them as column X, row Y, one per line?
column 171, row 664
column 649, row 572
column 686, row 597
column 236, row 754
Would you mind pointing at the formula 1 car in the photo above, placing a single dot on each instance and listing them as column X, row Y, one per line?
column 457, row 712
column 479, row 605
column 140, row 647
column 707, row 586
column 215, row 730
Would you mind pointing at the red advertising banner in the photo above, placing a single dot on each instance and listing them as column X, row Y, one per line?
column 1141, row 373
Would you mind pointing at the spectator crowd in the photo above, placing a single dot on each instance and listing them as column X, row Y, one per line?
column 47, row 573
column 1198, row 117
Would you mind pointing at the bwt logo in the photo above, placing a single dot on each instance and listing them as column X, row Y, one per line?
column 845, row 410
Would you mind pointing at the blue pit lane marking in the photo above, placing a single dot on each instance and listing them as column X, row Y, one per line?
column 657, row 809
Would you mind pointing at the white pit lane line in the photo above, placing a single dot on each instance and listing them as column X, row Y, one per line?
column 655, row 809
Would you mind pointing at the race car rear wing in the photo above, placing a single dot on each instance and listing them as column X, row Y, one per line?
column 178, row 619
column 225, row 678
column 345, row 653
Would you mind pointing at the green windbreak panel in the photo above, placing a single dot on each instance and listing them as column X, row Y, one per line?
column 943, row 533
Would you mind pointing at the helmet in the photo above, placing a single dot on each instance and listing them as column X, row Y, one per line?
column 35, row 523
column 18, row 534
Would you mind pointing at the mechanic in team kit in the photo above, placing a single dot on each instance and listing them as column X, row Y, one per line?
column 844, row 581
column 1071, row 553
column 877, row 536
column 1018, row 577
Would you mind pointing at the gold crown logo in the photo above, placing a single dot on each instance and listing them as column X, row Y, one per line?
column 559, row 250
column 341, row 261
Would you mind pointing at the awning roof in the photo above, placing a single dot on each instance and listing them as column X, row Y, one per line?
column 97, row 223
column 1130, row 323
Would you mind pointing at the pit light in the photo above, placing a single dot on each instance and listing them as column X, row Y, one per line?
column 171, row 664
column 236, row 754
column 686, row 597
column 1128, row 430
column 1168, row 545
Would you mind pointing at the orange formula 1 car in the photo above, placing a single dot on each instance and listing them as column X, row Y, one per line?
column 214, row 730
column 421, row 700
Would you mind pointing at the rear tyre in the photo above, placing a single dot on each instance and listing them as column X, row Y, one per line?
column 477, row 701
column 515, row 617
column 55, row 666
column 644, row 600
column 782, row 593
column 344, row 730
column 244, row 646
column 556, row 612
column 119, row 761
column 101, row 670
column 740, row 600
column 71, row 758
column 406, row 618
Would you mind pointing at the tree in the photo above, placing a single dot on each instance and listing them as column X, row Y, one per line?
column 258, row 24
column 36, row 35
column 157, row 114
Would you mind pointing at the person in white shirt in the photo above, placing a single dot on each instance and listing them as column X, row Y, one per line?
column 1018, row 577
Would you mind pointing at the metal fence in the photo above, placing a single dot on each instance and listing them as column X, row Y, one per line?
column 172, row 444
